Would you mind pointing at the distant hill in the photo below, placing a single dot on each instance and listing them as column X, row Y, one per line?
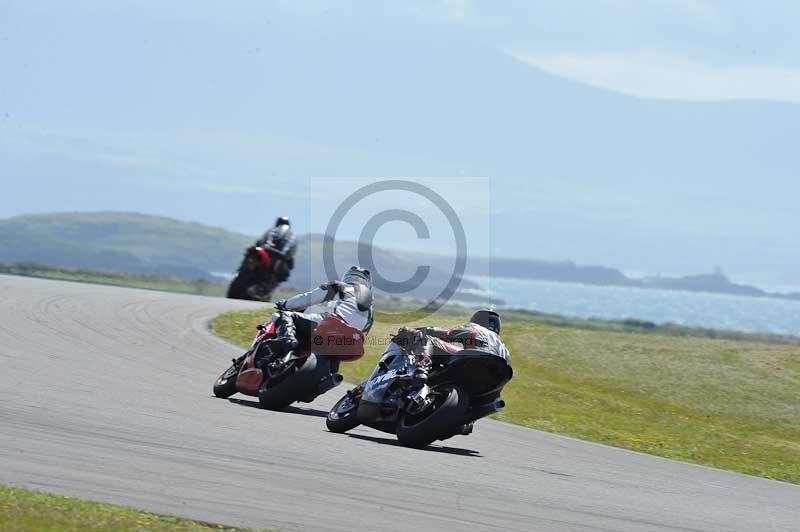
column 708, row 282
column 121, row 242
column 393, row 265
column 559, row 271
column 153, row 245
column 569, row 272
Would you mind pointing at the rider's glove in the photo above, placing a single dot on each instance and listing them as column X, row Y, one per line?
column 420, row 375
column 409, row 338
column 281, row 304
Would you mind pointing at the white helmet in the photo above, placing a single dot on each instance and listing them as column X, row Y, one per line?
column 357, row 275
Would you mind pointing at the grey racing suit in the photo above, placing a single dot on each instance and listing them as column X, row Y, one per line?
column 279, row 239
column 351, row 302
column 282, row 244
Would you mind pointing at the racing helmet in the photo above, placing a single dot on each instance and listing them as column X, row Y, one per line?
column 487, row 318
column 279, row 235
column 282, row 220
column 357, row 275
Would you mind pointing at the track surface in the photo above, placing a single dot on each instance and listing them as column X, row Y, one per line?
column 105, row 394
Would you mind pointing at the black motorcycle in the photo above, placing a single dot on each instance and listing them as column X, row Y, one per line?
column 457, row 393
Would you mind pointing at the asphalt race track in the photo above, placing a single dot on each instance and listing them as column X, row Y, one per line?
column 105, row 394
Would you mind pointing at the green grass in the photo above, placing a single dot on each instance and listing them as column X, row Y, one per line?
column 25, row 510
column 731, row 402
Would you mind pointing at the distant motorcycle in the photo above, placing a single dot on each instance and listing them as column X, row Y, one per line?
column 255, row 279
column 305, row 375
column 455, row 395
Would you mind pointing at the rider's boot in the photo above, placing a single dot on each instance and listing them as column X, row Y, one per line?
column 424, row 363
column 237, row 362
column 277, row 366
column 284, row 343
column 355, row 392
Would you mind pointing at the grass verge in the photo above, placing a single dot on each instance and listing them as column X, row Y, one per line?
column 732, row 403
column 24, row 510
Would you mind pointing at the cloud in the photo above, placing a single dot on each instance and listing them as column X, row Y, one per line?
column 650, row 74
column 699, row 9
column 457, row 10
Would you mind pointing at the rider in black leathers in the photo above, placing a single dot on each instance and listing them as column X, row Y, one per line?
column 432, row 345
column 281, row 243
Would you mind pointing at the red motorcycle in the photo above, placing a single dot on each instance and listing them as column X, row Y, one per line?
column 255, row 280
column 308, row 373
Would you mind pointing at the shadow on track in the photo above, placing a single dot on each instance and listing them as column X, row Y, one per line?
column 390, row 441
column 288, row 410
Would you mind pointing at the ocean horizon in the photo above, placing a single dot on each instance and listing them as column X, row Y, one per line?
column 692, row 309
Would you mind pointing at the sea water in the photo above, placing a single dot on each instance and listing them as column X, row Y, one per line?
column 694, row 309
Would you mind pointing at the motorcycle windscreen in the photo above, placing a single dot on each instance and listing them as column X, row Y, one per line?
column 391, row 366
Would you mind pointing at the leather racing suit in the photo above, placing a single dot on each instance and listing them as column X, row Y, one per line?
column 432, row 345
column 352, row 302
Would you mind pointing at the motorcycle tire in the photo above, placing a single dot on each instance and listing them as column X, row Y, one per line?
column 263, row 291
column 300, row 384
column 238, row 287
column 437, row 421
column 225, row 385
column 342, row 417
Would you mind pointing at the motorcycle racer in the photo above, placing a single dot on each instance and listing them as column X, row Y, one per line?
column 430, row 345
column 281, row 242
column 349, row 298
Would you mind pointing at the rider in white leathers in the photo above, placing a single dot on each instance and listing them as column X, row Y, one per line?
column 350, row 299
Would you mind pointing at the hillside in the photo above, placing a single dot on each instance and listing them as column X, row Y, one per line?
column 570, row 272
column 151, row 245
column 121, row 242
column 559, row 271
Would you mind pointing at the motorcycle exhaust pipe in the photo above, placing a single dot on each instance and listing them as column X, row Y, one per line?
column 485, row 410
column 329, row 382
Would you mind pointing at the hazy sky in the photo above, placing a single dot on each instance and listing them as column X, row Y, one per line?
column 654, row 136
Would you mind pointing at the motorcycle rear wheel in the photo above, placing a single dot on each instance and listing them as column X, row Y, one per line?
column 262, row 291
column 294, row 387
column 438, row 420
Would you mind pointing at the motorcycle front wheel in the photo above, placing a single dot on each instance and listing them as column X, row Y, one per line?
column 225, row 385
column 441, row 418
column 342, row 416
column 239, row 285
